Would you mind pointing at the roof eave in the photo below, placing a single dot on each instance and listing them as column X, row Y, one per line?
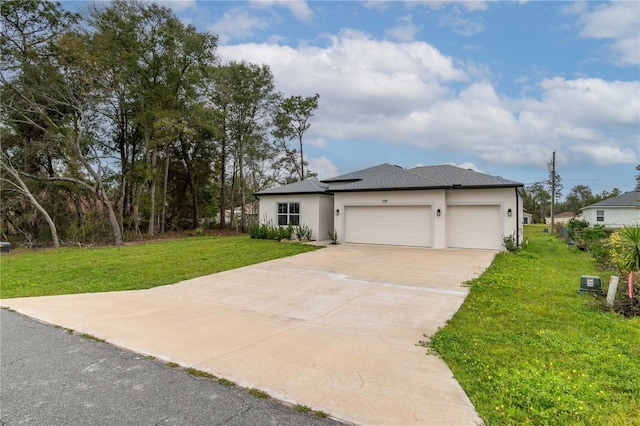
column 259, row 194
column 429, row 188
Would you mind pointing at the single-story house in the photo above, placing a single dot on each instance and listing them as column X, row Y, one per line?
column 433, row 206
column 563, row 217
column 527, row 218
column 615, row 212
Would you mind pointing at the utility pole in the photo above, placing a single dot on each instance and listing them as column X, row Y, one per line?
column 552, row 169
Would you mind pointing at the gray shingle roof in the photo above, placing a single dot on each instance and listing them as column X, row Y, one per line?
column 307, row 186
column 387, row 177
column 429, row 177
column 628, row 199
column 452, row 175
column 365, row 173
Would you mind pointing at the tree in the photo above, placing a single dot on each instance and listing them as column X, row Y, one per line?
column 243, row 98
column 29, row 31
column 18, row 184
column 579, row 197
column 152, row 92
column 291, row 123
column 536, row 201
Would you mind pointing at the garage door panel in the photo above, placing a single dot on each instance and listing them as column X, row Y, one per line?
column 395, row 225
column 474, row 227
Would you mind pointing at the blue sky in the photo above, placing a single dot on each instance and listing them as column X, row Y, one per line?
column 493, row 86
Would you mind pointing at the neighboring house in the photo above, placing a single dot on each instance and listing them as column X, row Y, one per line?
column 615, row 212
column 432, row 206
column 527, row 218
column 563, row 217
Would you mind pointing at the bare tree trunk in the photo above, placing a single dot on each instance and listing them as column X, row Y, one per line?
column 25, row 190
column 163, row 217
column 243, row 223
column 223, row 174
column 152, row 193
column 301, row 160
column 97, row 177
column 232, row 203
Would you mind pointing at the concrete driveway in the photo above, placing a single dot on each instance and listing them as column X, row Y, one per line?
column 335, row 329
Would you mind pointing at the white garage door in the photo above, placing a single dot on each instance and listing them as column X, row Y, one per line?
column 394, row 225
column 474, row 227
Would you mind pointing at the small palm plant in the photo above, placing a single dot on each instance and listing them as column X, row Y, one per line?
column 625, row 253
column 631, row 247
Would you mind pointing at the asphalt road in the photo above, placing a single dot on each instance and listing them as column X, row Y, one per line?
column 51, row 376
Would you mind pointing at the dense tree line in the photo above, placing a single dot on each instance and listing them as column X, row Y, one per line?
column 122, row 122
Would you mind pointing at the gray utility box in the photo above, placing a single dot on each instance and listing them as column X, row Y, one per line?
column 590, row 284
column 4, row 246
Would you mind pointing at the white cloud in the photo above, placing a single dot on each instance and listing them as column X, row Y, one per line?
column 323, row 167
column 463, row 26
column 604, row 155
column 405, row 30
column 177, row 5
column 299, row 8
column 378, row 5
column 318, row 142
column 467, row 165
column 617, row 22
column 237, row 23
column 409, row 93
column 471, row 5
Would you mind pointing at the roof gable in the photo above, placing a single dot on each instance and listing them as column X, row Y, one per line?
column 628, row 199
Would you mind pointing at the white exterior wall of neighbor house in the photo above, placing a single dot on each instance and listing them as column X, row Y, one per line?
column 315, row 211
column 614, row 217
column 502, row 198
column 434, row 199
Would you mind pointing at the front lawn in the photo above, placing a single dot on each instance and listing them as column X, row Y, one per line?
column 528, row 349
column 85, row 270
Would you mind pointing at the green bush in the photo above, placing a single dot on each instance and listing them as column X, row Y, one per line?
column 586, row 237
column 268, row 231
column 510, row 243
column 303, row 233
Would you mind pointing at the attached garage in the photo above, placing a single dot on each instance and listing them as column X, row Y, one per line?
column 426, row 206
column 393, row 225
column 474, row 227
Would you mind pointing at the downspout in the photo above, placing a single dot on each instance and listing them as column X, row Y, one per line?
column 517, row 218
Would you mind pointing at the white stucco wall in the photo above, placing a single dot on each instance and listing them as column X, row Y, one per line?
column 318, row 211
column 614, row 217
column 315, row 211
column 505, row 198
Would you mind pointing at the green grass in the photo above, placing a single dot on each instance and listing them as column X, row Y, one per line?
column 86, row 270
column 199, row 373
column 301, row 408
column 258, row 393
column 92, row 337
column 528, row 349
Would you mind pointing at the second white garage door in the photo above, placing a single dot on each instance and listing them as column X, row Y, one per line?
column 394, row 225
column 474, row 227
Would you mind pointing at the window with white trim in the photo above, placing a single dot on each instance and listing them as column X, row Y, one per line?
column 600, row 215
column 288, row 213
